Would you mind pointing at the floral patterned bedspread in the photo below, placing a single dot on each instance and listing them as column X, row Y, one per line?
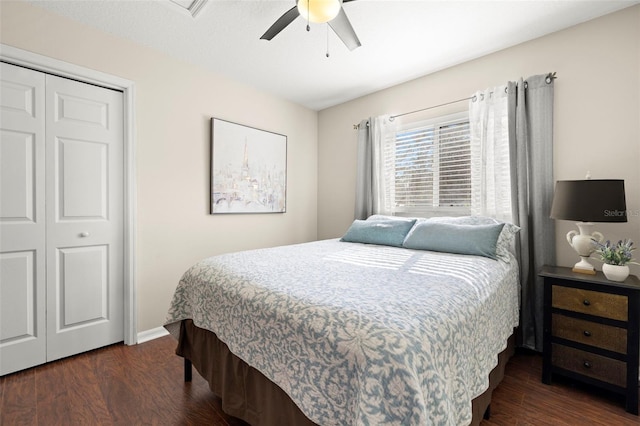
column 359, row 334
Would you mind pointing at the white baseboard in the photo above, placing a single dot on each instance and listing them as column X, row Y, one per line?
column 154, row 333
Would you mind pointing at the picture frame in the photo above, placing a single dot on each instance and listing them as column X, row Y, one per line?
column 248, row 169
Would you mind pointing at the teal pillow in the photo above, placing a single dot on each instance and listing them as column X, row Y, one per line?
column 384, row 232
column 479, row 240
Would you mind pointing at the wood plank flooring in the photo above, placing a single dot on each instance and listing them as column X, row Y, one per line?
column 143, row 384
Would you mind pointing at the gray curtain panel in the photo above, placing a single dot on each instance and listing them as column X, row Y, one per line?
column 373, row 135
column 364, row 170
column 531, row 151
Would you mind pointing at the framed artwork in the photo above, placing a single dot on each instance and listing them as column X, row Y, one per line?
column 248, row 169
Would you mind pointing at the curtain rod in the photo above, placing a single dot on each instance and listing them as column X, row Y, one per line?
column 549, row 79
column 393, row 117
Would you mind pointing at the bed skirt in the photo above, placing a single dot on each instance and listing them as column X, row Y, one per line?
column 248, row 395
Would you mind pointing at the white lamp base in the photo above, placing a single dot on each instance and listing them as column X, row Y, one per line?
column 584, row 267
column 582, row 243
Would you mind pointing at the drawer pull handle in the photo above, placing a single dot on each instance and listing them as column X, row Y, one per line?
column 587, row 364
column 587, row 333
column 586, row 302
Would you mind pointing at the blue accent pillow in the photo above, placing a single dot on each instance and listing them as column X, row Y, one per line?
column 478, row 240
column 383, row 232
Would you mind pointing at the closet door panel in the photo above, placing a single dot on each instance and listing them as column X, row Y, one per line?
column 17, row 296
column 82, row 190
column 85, row 217
column 83, row 286
column 22, row 219
column 16, row 174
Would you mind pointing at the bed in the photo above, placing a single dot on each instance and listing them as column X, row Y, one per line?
column 338, row 332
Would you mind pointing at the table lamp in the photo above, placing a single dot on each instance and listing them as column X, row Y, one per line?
column 588, row 201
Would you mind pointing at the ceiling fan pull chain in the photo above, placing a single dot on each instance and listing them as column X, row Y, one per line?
column 327, row 40
column 308, row 13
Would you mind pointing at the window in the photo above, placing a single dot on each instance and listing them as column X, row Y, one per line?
column 428, row 167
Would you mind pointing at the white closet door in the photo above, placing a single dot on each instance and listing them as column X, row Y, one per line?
column 85, row 217
column 22, row 219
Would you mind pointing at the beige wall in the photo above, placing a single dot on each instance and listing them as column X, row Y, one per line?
column 174, row 103
column 597, row 115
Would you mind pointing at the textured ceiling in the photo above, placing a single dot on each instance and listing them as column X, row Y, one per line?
column 401, row 40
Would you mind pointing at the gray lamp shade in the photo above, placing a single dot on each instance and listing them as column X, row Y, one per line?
column 592, row 200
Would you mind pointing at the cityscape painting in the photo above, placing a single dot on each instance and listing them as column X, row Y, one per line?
column 248, row 169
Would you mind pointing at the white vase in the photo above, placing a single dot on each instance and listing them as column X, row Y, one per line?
column 616, row 273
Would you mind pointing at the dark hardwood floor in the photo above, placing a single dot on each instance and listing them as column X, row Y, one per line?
column 143, row 384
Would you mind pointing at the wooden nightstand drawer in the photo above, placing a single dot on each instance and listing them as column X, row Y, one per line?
column 613, row 306
column 589, row 333
column 588, row 364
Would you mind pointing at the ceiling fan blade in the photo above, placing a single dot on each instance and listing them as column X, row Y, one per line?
column 342, row 27
column 281, row 23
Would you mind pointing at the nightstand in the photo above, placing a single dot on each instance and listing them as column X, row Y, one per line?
column 591, row 330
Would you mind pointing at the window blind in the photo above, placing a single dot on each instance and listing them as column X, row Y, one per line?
column 429, row 166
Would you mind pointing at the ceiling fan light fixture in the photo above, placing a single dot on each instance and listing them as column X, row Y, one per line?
column 319, row 11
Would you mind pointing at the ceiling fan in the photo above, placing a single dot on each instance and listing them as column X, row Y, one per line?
column 318, row 11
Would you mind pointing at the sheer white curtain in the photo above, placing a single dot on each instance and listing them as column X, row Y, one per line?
column 373, row 189
column 490, row 162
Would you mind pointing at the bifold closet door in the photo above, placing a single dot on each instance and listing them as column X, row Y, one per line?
column 22, row 219
column 85, row 217
column 61, row 218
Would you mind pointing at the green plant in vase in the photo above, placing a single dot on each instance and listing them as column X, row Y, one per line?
column 616, row 258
